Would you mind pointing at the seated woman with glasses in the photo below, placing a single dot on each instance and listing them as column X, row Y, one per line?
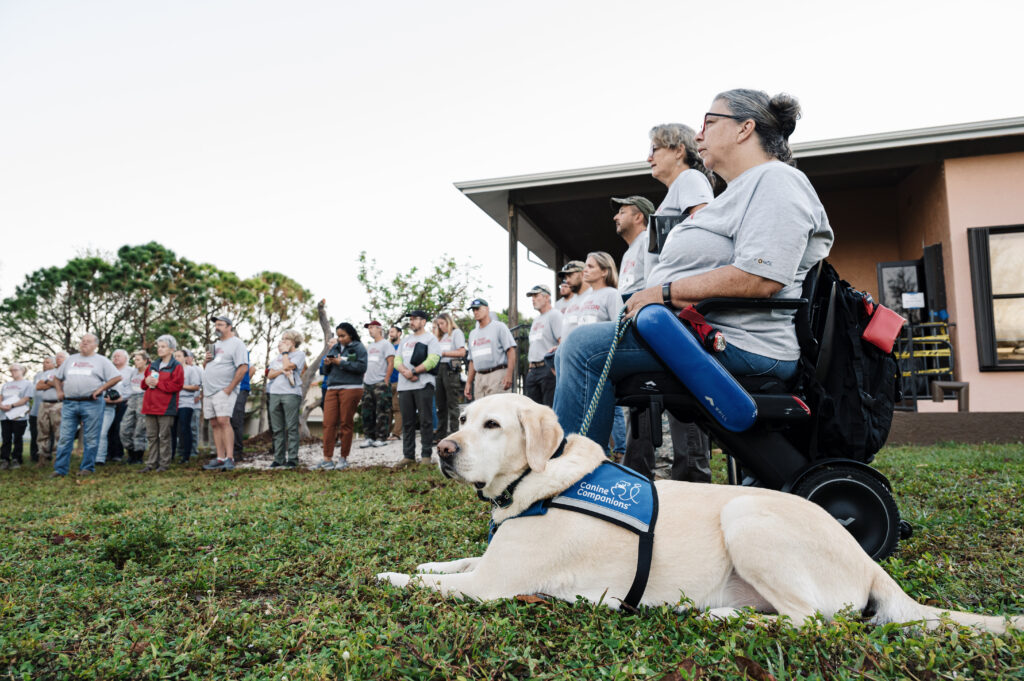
column 757, row 239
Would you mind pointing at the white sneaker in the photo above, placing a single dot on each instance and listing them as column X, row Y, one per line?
column 325, row 465
column 341, row 465
column 380, row 443
column 366, row 443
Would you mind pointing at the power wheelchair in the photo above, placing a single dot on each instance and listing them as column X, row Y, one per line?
column 775, row 445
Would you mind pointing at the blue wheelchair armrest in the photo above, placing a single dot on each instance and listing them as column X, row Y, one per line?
column 714, row 387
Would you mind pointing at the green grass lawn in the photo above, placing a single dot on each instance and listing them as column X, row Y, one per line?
column 269, row 575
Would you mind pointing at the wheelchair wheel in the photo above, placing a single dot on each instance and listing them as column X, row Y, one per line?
column 861, row 504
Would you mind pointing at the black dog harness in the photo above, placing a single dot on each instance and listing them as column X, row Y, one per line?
column 610, row 492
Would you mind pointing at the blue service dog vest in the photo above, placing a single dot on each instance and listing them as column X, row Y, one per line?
column 620, row 496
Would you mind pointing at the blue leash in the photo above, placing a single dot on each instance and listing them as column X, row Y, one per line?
column 620, row 329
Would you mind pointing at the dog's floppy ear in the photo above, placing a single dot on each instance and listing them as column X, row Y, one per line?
column 542, row 434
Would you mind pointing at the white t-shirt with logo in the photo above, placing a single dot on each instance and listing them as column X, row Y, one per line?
column 601, row 305
column 631, row 272
column 544, row 334
column 83, row 375
column 279, row 385
column 377, row 361
column 406, row 347
column 12, row 392
column 452, row 341
column 488, row 345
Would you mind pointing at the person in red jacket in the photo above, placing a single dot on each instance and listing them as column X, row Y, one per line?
column 161, row 384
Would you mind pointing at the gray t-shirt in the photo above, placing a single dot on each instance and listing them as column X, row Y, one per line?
column 600, row 305
column 768, row 222
column 690, row 189
column 452, row 341
column 561, row 303
column 134, row 386
column 544, row 334
column 193, row 376
column 11, row 392
column 406, row 347
column 49, row 393
column 229, row 355
column 377, row 354
column 488, row 345
column 279, row 385
column 631, row 271
column 571, row 314
column 82, row 375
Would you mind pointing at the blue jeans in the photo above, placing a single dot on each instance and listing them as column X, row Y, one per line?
column 581, row 359
column 108, row 418
column 90, row 414
column 619, row 431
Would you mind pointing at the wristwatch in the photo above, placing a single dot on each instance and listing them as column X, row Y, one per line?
column 666, row 293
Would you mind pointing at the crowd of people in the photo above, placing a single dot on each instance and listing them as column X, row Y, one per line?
column 757, row 238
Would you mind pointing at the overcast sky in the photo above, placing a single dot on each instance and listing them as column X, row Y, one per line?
column 291, row 135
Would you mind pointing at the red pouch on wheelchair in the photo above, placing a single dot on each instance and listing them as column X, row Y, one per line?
column 711, row 338
column 884, row 328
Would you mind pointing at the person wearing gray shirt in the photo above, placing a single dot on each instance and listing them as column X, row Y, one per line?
column 284, row 390
column 418, row 353
column 15, row 396
column 376, row 404
column 48, row 421
column 631, row 224
column 81, row 381
column 545, row 333
column 758, row 239
column 492, row 354
column 225, row 367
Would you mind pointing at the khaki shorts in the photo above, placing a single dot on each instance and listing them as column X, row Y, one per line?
column 219, row 405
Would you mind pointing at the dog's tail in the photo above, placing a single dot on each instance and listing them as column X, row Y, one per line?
column 892, row 604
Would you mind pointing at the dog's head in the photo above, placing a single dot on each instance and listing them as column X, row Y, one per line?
column 499, row 436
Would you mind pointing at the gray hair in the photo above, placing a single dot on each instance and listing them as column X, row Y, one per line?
column 607, row 263
column 774, row 118
column 119, row 351
column 16, row 365
column 294, row 335
column 676, row 136
column 169, row 340
column 60, row 354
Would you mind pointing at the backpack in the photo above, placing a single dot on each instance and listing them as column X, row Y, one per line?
column 851, row 384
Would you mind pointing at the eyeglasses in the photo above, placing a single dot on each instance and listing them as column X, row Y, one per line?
column 654, row 148
column 720, row 115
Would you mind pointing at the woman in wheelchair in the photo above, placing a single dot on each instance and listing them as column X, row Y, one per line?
column 758, row 239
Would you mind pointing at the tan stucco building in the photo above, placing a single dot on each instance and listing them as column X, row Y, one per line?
column 888, row 196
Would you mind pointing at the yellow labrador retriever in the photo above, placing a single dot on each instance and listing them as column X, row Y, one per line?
column 722, row 547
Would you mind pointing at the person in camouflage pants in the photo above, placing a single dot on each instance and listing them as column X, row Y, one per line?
column 376, row 407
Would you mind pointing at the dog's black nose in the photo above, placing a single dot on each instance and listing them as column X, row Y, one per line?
column 446, row 449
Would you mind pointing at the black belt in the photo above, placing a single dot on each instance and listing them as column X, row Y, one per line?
column 488, row 371
column 536, row 365
column 90, row 398
column 51, row 401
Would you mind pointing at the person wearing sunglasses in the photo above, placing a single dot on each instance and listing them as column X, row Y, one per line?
column 757, row 239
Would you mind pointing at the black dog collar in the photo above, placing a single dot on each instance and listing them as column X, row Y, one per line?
column 504, row 500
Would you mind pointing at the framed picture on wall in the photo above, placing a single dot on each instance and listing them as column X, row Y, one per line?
column 896, row 279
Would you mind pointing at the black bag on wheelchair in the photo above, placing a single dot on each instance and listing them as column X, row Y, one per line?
column 851, row 383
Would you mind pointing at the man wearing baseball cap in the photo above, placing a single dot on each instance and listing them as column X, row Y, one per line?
column 416, row 387
column 376, row 407
column 492, row 354
column 631, row 224
column 545, row 332
column 225, row 367
column 573, row 274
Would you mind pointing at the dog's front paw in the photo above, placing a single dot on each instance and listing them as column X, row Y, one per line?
column 432, row 568
column 396, row 578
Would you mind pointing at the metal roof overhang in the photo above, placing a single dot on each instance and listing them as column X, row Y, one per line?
column 565, row 214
